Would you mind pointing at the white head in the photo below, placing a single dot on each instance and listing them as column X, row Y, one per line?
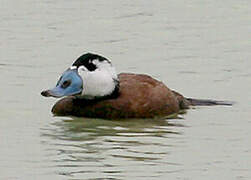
column 98, row 79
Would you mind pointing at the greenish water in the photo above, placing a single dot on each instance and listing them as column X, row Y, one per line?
column 201, row 49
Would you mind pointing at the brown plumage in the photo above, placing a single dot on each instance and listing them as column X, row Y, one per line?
column 140, row 96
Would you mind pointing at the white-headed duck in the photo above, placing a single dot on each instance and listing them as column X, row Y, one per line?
column 93, row 89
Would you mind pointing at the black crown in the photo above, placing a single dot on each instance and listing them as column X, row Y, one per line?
column 87, row 61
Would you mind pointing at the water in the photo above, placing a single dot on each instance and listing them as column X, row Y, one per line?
column 201, row 49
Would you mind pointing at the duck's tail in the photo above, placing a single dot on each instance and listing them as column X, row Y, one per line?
column 208, row 102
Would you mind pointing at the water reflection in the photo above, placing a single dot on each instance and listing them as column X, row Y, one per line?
column 102, row 148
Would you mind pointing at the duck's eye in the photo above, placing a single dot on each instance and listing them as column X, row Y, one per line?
column 66, row 83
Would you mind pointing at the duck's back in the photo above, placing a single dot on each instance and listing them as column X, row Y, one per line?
column 140, row 96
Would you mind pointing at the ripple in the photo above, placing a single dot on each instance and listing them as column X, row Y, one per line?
column 144, row 14
column 83, row 146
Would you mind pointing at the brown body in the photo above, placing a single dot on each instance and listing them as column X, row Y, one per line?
column 140, row 96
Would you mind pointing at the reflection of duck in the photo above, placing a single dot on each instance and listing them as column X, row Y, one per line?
column 93, row 89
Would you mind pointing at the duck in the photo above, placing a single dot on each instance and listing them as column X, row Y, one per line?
column 91, row 88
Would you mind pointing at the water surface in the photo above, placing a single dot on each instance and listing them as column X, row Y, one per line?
column 201, row 49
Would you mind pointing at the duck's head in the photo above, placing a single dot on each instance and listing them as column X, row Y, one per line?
column 90, row 76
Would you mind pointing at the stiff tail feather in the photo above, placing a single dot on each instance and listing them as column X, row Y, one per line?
column 208, row 102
